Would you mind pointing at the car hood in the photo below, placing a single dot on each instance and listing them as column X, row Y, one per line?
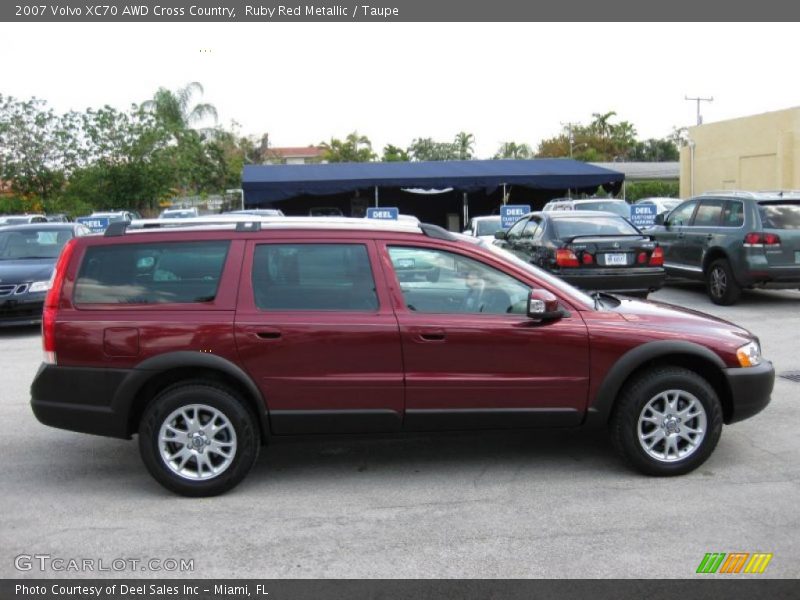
column 653, row 320
column 32, row 269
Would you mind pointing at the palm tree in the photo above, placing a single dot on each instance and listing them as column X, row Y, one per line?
column 175, row 110
column 513, row 150
column 465, row 144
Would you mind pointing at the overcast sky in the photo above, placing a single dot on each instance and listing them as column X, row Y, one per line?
column 306, row 82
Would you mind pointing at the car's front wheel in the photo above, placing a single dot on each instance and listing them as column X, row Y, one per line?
column 197, row 439
column 667, row 421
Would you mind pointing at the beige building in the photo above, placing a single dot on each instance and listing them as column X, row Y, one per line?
column 760, row 152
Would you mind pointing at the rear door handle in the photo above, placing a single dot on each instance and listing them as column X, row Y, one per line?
column 430, row 335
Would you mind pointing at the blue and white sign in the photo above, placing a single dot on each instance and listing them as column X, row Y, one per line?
column 643, row 215
column 511, row 213
column 384, row 213
column 95, row 224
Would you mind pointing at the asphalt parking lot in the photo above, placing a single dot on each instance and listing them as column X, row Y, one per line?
column 497, row 505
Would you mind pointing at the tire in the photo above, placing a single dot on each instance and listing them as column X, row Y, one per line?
column 652, row 410
column 721, row 284
column 199, row 464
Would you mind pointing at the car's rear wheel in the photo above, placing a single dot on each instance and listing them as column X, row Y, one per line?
column 720, row 283
column 667, row 421
column 197, row 439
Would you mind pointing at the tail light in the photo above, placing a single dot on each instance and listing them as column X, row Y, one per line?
column 657, row 257
column 587, row 258
column 642, row 258
column 566, row 258
column 52, row 302
column 757, row 239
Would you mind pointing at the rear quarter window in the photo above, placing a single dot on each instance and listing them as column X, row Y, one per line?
column 160, row 273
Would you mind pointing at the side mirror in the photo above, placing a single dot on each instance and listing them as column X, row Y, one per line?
column 660, row 219
column 543, row 305
column 500, row 235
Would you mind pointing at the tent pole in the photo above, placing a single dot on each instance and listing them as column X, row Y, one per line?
column 504, row 195
column 466, row 210
column 376, row 196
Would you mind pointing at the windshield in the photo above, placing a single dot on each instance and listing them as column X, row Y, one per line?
column 780, row 216
column 33, row 243
column 620, row 208
column 573, row 293
column 13, row 220
column 488, row 226
column 570, row 228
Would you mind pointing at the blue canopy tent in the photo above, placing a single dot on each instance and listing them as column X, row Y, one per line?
column 265, row 184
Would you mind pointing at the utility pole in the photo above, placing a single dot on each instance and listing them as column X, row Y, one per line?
column 699, row 100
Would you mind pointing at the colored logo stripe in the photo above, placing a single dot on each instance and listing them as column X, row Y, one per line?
column 758, row 563
column 711, row 562
column 734, row 562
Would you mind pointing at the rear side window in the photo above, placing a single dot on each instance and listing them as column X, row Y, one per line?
column 709, row 213
column 780, row 216
column 313, row 277
column 179, row 272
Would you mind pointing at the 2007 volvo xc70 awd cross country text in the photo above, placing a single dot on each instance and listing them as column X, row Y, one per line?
column 210, row 339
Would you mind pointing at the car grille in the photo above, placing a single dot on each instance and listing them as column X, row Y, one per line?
column 9, row 289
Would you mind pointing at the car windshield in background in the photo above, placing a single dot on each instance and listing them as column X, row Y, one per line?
column 570, row 228
column 780, row 216
column 32, row 243
column 619, row 208
column 488, row 226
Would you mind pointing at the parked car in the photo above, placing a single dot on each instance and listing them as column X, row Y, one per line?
column 734, row 240
column 484, row 227
column 662, row 205
column 211, row 342
column 21, row 219
column 619, row 207
column 257, row 212
column 28, row 254
column 590, row 250
column 179, row 213
column 58, row 218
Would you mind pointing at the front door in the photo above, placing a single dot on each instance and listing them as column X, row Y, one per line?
column 473, row 359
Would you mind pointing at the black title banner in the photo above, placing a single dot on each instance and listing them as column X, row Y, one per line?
column 254, row 11
column 395, row 589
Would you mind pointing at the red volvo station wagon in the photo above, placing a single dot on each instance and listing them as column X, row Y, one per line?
column 210, row 339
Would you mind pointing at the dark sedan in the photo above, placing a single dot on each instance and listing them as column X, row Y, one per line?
column 28, row 255
column 591, row 250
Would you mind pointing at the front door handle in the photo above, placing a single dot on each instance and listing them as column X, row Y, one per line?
column 268, row 334
column 430, row 335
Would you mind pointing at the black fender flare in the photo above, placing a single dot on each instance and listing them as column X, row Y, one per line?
column 600, row 409
column 145, row 371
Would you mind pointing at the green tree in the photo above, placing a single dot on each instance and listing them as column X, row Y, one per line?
column 394, row 154
column 655, row 150
column 513, row 150
column 354, row 148
column 427, row 149
column 464, row 144
column 175, row 109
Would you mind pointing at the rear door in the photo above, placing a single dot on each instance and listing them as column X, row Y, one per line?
column 316, row 331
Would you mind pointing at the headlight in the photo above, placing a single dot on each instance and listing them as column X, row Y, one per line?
column 39, row 286
column 749, row 355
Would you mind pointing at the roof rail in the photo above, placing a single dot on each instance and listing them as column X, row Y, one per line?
column 739, row 193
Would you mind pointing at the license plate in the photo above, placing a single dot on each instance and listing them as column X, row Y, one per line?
column 616, row 259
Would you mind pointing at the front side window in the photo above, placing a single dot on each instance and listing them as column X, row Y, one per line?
column 313, row 277
column 683, row 214
column 155, row 273
column 460, row 284
column 516, row 228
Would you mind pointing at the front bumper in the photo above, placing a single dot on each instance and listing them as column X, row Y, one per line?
column 622, row 280
column 751, row 388
column 25, row 310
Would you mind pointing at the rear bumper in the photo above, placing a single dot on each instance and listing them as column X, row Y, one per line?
column 751, row 389
column 646, row 279
column 759, row 273
column 80, row 399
